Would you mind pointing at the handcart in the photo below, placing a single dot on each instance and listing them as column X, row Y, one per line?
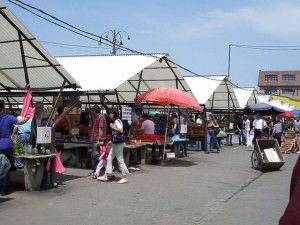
column 266, row 155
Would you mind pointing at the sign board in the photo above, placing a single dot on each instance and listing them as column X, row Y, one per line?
column 183, row 128
column 170, row 155
column 43, row 135
column 126, row 113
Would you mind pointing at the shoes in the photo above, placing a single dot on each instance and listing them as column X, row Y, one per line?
column 94, row 177
column 218, row 151
column 103, row 178
column 122, row 181
column 4, row 193
column 207, row 152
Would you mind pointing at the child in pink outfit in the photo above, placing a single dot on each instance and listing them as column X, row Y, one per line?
column 102, row 158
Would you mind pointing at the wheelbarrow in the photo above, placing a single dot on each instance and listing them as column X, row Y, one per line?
column 266, row 155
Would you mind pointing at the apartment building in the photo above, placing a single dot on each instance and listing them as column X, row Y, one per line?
column 282, row 83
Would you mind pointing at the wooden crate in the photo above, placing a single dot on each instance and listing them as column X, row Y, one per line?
column 260, row 145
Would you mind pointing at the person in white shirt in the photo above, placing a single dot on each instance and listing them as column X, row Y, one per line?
column 258, row 125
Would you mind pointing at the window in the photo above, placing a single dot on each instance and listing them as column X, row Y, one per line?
column 288, row 90
column 271, row 91
column 271, row 78
column 288, row 77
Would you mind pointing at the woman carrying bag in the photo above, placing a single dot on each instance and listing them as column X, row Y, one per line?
column 116, row 150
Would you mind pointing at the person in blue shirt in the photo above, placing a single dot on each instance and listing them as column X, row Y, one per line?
column 7, row 123
column 21, row 133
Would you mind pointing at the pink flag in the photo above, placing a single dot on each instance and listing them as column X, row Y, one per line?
column 27, row 110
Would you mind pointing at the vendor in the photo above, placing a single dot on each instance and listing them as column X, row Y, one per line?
column 63, row 126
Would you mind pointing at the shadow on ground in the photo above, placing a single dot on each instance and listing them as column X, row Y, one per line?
column 18, row 183
column 175, row 163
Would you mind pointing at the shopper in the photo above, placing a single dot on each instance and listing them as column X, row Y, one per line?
column 98, row 131
column 102, row 158
column 241, row 129
column 277, row 131
column 116, row 150
column 21, row 134
column 258, row 125
column 291, row 214
column 6, row 144
column 211, row 125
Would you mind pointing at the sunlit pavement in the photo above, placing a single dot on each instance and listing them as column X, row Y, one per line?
column 217, row 188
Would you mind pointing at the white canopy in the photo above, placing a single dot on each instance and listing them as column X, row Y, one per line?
column 276, row 102
column 215, row 92
column 246, row 96
column 24, row 60
column 125, row 75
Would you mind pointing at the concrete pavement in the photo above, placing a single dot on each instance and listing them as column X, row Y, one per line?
column 200, row 189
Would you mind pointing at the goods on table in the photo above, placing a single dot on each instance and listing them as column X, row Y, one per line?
column 196, row 130
column 289, row 143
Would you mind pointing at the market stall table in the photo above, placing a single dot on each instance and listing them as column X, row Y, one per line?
column 72, row 151
column 229, row 138
column 135, row 152
column 34, row 167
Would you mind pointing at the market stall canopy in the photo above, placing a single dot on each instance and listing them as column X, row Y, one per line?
column 287, row 100
column 288, row 114
column 168, row 96
column 215, row 92
column 264, row 108
column 279, row 103
column 126, row 75
column 296, row 112
column 24, row 60
column 246, row 96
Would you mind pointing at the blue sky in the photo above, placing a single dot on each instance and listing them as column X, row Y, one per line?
column 196, row 33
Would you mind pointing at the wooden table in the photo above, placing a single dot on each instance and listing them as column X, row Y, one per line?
column 34, row 167
column 132, row 152
column 229, row 138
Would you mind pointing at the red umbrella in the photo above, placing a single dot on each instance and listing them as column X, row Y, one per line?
column 286, row 114
column 170, row 96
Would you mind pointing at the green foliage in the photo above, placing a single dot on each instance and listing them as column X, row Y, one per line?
column 19, row 149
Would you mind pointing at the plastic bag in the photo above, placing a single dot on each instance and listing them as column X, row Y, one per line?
column 59, row 167
column 4, row 166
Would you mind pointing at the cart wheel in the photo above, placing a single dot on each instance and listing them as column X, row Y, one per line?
column 255, row 160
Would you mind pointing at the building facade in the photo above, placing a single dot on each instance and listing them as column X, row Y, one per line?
column 282, row 83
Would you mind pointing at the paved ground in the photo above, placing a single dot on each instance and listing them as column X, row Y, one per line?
column 201, row 189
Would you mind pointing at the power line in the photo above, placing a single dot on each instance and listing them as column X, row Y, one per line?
column 270, row 47
column 90, row 35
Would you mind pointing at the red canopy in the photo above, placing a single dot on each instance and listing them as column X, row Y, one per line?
column 286, row 114
column 170, row 96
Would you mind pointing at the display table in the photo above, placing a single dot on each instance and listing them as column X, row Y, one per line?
column 229, row 138
column 34, row 166
column 72, row 152
column 135, row 153
column 176, row 145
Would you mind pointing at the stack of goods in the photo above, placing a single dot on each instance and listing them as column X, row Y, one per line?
column 150, row 137
column 196, row 130
column 271, row 155
column 289, row 144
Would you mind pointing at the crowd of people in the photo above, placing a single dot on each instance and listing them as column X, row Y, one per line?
column 104, row 128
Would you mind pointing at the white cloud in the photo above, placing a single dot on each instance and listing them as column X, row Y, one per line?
column 277, row 20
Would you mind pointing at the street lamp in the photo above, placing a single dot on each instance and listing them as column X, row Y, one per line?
column 114, row 37
column 229, row 54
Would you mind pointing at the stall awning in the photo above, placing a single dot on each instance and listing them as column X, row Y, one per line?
column 24, row 60
column 215, row 92
column 246, row 96
column 127, row 75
